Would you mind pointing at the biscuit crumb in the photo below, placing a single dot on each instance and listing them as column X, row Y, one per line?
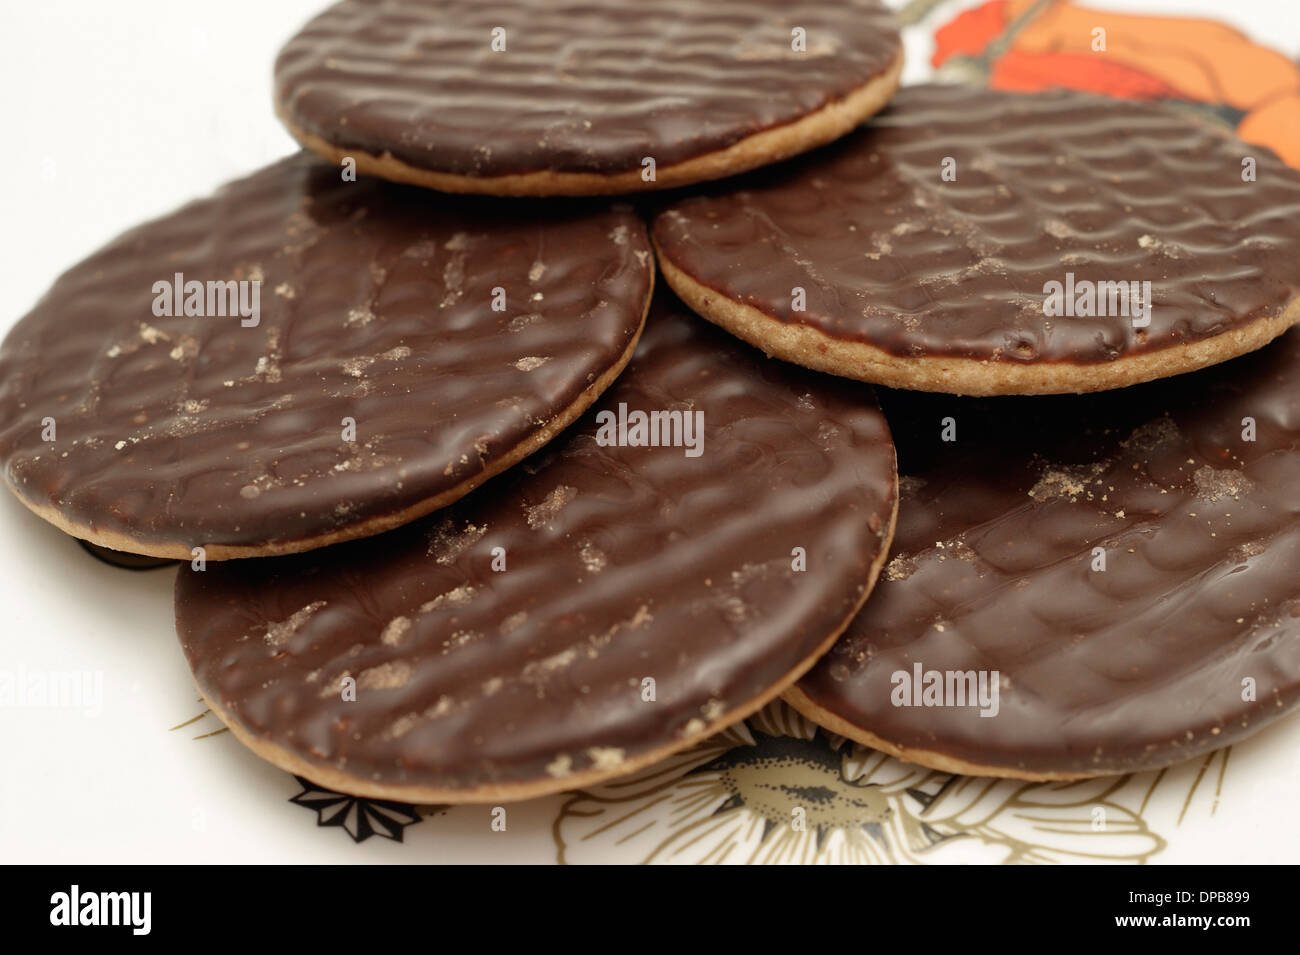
column 593, row 559
column 278, row 634
column 1214, row 484
column 1152, row 435
column 446, row 543
column 453, row 598
column 386, row 676
column 359, row 316
column 541, row 515
column 900, row 568
column 1068, row 481
column 395, row 631
column 606, row 757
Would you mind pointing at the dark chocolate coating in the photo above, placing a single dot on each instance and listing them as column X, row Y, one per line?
column 583, row 86
column 1049, row 183
column 1130, row 668
column 623, row 563
column 376, row 304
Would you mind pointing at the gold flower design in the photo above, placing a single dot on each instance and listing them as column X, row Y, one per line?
column 779, row 789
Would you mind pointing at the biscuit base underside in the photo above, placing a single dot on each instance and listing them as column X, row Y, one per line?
column 179, row 550
column 339, row 781
column 930, row 759
column 828, row 123
column 813, row 348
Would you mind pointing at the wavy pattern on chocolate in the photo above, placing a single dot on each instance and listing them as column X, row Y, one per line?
column 376, row 304
column 892, row 255
column 1130, row 667
column 622, row 564
column 590, row 86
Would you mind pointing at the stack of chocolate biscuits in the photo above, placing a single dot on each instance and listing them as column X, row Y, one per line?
column 466, row 512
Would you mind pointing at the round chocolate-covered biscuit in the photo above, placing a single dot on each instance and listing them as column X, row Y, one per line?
column 301, row 359
column 630, row 590
column 979, row 242
column 1112, row 579
column 552, row 97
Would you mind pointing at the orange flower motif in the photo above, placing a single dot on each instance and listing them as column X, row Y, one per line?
column 1031, row 72
column 1024, row 45
column 970, row 32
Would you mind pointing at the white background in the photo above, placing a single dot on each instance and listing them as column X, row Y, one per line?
column 115, row 112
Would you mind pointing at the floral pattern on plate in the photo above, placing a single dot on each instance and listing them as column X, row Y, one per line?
column 779, row 789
